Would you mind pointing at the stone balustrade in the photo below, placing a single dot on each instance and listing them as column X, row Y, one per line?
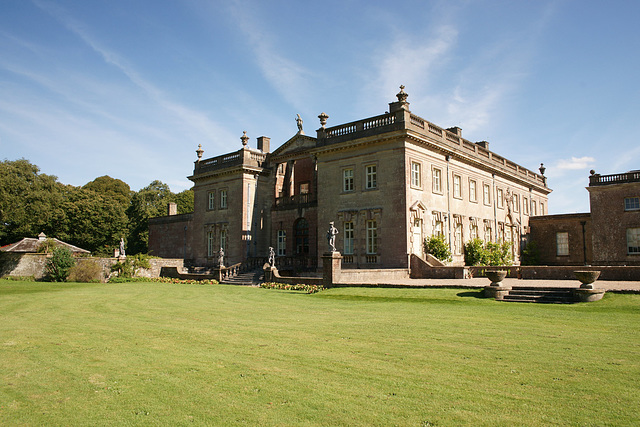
column 453, row 142
column 618, row 178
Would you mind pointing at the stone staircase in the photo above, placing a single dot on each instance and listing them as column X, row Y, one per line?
column 540, row 295
column 249, row 278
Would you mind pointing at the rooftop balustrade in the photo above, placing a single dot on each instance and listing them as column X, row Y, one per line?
column 451, row 141
column 618, row 178
column 244, row 157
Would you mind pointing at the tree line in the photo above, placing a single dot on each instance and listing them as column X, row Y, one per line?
column 94, row 216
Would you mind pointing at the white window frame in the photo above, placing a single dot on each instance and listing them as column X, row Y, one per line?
column 516, row 203
column 371, row 174
column 500, row 198
column 349, row 234
column 348, row 180
column 473, row 191
column 223, row 240
column 223, row 199
column 281, row 244
column 436, row 175
column 631, row 203
column 457, row 186
column 211, row 200
column 372, row 237
column 486, row 194
column 534, row 208
column 525, row 205
column 562, row 243
column 416, row 174
column 633, row 241
column 211, row 244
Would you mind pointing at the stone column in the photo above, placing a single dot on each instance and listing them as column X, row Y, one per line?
column 331, row 268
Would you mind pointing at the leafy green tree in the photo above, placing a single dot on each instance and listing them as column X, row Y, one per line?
column 151, row 201
column 438, row 247
column 531, row 254
column 184, row 200
column 93, row 221
column 30, row 202
column 59, row 265
column 111, row 188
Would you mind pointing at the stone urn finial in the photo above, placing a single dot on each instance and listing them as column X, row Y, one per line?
column 402, row 95
column 542, row 169
column 323, row 119
column 199, row 152
column 244, row 138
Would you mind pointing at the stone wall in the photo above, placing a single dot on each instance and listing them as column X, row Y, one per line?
column 544, row 230
column 171, row 236
column 33, row 265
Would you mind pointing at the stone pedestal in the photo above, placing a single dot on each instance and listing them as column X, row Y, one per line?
column 588, row 295
column 497, row 292
column 270, row 273
column 331, row 268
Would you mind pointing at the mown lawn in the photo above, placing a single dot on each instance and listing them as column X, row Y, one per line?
column 161, row 354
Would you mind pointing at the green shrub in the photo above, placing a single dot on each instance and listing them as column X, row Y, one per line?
column 475, row 253
column 59, row 265
column 438, row 247
column 86, row 271
column 478, row 253
column 131, row 265
column 530, row 254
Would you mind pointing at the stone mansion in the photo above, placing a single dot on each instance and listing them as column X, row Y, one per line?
column 386, row 182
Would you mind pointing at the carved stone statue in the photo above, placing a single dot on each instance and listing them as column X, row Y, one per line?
column 299, row 122
column 221, row 258
column 331, row 237
column 122, row 254
column 272, row 257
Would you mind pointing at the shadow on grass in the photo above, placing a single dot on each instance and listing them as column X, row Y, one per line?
column 471, row 294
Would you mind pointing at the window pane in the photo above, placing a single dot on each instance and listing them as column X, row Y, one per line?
column 437, row 186
column 348, row 238
column 562, row 243
column 372, row 179
column 372, row 237
column 347, row 179
column 633, row 240
column 223, row 199
column 631, row 203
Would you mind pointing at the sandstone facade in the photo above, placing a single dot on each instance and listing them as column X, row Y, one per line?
column 387, row 182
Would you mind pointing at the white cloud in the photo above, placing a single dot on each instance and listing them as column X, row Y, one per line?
column 575, row 163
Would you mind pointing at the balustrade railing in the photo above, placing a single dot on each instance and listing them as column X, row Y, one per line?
column 294, row 201
column 618, row 178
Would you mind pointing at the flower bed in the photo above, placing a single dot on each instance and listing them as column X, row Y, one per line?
column 310, row 289
column 164, row 280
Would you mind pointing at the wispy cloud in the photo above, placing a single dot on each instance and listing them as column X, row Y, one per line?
column 292, row 80
column 196, row 120
column 575, row 163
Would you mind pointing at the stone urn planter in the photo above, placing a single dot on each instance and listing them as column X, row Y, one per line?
column 586, row 291
column 496, row 290
column 587, row 277
column 496, row 276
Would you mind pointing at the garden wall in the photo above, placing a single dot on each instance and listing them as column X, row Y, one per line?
column 32, row 265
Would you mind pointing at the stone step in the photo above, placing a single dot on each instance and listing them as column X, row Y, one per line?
column 540, row 295
column 249, row 278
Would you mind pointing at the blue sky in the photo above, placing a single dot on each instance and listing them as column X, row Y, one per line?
column 130, row 88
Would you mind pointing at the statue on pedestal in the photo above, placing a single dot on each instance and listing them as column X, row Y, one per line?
column 221, row 258
column 331, row 237
column 272, row 257
column 122, row 254
column 299, row 122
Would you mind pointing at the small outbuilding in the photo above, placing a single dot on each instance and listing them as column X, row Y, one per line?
column 32, row 245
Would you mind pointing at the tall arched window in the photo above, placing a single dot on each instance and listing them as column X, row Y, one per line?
column 302, row 236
